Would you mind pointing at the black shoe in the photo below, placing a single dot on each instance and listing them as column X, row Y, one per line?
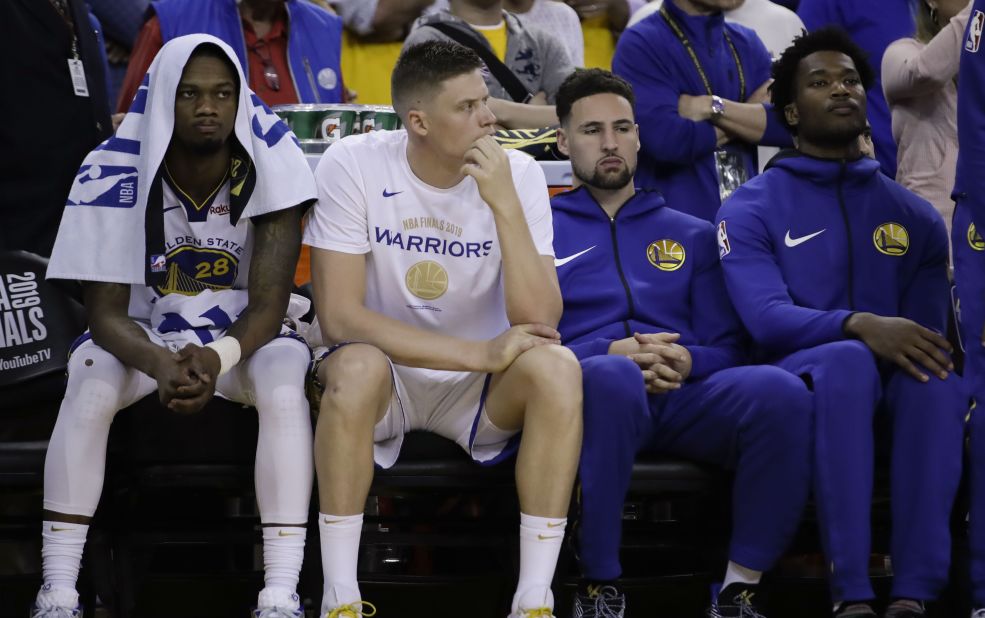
column 894, row 611
column 736, row 601
column 853, row 609
column 597, row 601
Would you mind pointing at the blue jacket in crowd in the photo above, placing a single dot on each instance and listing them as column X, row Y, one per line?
column 314, row 42
column 677, row 155
column 810, row 241
column 649, row 269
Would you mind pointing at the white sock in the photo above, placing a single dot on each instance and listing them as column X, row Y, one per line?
column 61, row 553
column 737, row 573
column 283, row 552
column 540, row 545
column 339, row 558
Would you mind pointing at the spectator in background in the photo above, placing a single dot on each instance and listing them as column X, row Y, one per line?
column 121, row 20
column 873, row 25
column 40, row 158
column 775, row 26
column 700, row 83
column 524, row 66
column 371, row 43
column 297, row 66
column 602, row 22
column 551, row 16
column 918, row 79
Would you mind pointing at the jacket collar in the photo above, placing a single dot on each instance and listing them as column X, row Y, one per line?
column 581, row 202
column 827, row 171
column 704, row 31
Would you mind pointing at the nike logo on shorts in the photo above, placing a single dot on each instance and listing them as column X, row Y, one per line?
column 285, row 533
column 559, row 262
column 387, row 194
column 793, row 242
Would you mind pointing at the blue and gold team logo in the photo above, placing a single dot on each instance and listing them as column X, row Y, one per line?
column 975, row 239
column 427, row 280
column 667, row 255
column 191, row 270
column 891, row 239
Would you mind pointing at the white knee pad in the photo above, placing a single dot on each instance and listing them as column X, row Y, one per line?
column 95, row 382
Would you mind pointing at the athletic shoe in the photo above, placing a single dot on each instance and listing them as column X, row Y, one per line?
column 599, row 602
column 276, row 602
column 56, row 603
column 736, row 601
column 905, row 611
column 978, row 613
column 359, row 609
column 855, row 610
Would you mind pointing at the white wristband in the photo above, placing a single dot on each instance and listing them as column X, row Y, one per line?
column 229, row 352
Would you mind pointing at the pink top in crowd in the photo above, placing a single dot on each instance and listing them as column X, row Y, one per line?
column 919, row 81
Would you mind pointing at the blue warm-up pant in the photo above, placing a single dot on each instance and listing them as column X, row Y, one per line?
column 927, row 426
column 969, row 276
column 755, row 420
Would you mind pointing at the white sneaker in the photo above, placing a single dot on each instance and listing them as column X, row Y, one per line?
column 978, row 613
column 56, row 603
column 333, row 605
column 276, row 602
column 533, row 603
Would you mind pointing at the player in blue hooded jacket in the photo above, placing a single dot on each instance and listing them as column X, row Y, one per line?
column 969, row 276
column 840, row 275
column 646, row 311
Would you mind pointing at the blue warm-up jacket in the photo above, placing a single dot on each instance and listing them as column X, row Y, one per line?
column 677, row 155
column 810, row 241
column 649, row 269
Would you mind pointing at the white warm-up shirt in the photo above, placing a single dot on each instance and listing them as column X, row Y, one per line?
column 433, row 256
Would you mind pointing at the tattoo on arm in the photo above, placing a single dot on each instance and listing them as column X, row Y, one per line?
column 277, row 244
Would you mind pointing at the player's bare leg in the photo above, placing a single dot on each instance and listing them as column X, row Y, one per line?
column 541, row 394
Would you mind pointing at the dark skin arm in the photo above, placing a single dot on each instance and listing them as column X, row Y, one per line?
column 394, row 17
column 904, row 342
column 277, row 244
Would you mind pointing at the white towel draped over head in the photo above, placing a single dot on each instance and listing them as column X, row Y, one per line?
column 112, row 226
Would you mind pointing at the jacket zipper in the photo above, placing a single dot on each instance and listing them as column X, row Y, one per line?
column 622, row 275
column 848, row 233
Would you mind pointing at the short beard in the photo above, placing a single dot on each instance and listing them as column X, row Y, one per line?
column 836, row 139
column 202, row 149
column 606, row 182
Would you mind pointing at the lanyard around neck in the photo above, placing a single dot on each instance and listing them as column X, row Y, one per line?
column 694, row 56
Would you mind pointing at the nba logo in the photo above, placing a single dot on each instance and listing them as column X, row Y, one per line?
column 158, row 264
column 724, row 248
column 975, row 32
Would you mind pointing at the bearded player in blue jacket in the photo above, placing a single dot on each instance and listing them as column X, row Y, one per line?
column 646, row 311
column 840, row 275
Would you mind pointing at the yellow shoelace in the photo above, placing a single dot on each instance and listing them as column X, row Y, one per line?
column 353, row 610
column 540, row 612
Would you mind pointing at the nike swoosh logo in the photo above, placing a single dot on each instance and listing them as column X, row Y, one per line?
column 330, row 522
column 793, row 242
column 54, row 529
column 172, row 208
column 282, row 533
column 544, row 537
column 386, row 194
column 561, row 262
column 553, row 525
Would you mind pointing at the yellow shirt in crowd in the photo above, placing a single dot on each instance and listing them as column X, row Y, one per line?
column 496, row 35
column 366, row 68
column 600, row 45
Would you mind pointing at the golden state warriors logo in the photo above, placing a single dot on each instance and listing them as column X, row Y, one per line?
column 891, row 239
column 191, row 270
column 667, row 255
column 975, row 239
column 427, row 280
